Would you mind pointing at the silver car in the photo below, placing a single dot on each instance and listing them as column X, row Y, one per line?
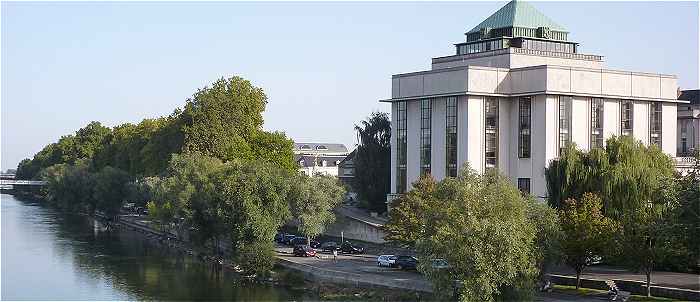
column 386, row 260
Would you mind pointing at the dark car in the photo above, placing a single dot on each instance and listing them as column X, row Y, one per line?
column 303, row 241
column 279, row 237
column 304, row 251
column 350, row 248
column 406, row 262
column 288, row 239
column 298, row 241
column 315, row 244
column 330, row 246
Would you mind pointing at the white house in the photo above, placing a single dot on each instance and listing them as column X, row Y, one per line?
column 319, row 158
column 510, row 99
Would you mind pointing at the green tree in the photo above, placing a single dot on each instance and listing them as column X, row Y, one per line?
column 482, row 229
column 373, row 160
column 227, row 114
column 70, row 186
column 549, row 234
column 626, row 174
column 407, row 217
column 110, row 189
column 686, row 215
column 312, row 200
column 587, row 233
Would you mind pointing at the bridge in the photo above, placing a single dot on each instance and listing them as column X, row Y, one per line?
column 13, row 182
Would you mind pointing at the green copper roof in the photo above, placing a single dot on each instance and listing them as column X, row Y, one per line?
column 518, row 14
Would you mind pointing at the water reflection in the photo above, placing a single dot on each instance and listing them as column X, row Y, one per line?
column 58, row 256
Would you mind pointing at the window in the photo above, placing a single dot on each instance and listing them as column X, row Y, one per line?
column 305, row 147
column 524, row 123
column 491, row 132
column 425, row 135
column 401, row 147
column 564, row 122
column 596, row 123
column 655, row 124
column 451, row 136
column 321, row 147
column 524, row 185
column 626, row 115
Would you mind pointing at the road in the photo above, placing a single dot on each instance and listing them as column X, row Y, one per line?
column 365, row 266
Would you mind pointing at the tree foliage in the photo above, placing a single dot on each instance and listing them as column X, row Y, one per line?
column 625, row 174
column 312, row 200
column 587, row 233
column 373, row 160
column 480, row 225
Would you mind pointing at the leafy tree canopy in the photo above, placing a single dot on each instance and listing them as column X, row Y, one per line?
column 373, row 160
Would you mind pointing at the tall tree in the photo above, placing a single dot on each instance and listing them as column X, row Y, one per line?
column 312, row 200
column 481, row 228
column 587, row 233
column 408, row 213
column 625, row 174
column 110, row 190
column 373, row 160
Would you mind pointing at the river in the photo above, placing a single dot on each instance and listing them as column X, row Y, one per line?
column 51, row 255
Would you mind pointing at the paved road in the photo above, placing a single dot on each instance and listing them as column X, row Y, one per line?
column 667, row 279
column 366, row 265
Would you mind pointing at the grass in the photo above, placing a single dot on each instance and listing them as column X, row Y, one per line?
column 571, row 290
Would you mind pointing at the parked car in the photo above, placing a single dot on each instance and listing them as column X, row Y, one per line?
column 288, row 239
column 315, row 244
column 386, row 260
column 279, row 237
column 304, row 251
column 406, row 262
column 330, row 246
column 350, row 248
column 298, row 241
column 440, row 264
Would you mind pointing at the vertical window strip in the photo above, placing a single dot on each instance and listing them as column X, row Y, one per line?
column 491, row 132
column 564, row 122
column 451, row 136
column 401, row 147
column 626, row 117
column 655, row 123
column 596, row 123
column 425, row 135
column 524, row 125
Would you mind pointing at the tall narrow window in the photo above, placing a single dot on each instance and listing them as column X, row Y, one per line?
column 524, row 185
column 425, row 135
column 401, row 147
column 524, row 125
column 655, row 124
column 564, row 122
column 626, row 117
column 451, row 136
column 596, row 123
column 491, row 132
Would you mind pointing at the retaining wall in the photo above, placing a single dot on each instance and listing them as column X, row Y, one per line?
column 635, row 287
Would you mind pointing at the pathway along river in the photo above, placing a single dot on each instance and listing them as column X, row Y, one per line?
column 50, row 255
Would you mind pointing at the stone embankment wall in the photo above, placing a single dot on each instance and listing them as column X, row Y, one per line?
column 635, row 287
column 355, row 229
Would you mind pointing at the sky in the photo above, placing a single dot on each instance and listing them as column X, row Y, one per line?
column 323, row 66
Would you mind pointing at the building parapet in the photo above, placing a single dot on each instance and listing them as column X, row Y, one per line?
column 515, row 50
column 540, row 79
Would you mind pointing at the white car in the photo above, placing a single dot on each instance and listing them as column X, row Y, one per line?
column 386, row 260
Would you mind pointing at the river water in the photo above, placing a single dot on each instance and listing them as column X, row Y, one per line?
column 50, row 255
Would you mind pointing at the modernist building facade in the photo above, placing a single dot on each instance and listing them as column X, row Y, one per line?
column 514, row 94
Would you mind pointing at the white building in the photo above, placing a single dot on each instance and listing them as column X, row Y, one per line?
column 319, row 158
column 689, row 123
column 512, row 96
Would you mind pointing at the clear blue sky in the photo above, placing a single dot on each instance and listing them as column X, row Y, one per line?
column 322, row 65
